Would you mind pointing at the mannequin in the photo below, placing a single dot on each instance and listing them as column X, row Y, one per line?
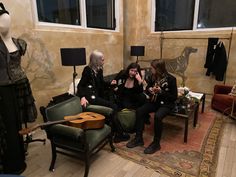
column 16, row 100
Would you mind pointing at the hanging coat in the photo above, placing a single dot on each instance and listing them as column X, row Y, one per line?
column 220, row 62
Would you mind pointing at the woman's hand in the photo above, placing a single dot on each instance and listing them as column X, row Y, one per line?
column 113, row 82
column 154, row 90
column 139, row 78
column 84, row 102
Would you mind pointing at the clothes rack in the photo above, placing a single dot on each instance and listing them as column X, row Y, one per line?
column 162, row 37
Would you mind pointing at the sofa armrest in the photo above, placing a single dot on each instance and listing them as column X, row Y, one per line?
column 222, row 89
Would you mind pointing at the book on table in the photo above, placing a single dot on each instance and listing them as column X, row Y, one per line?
column 195, row 95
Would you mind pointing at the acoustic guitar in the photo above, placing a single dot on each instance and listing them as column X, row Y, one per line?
column 84, row 120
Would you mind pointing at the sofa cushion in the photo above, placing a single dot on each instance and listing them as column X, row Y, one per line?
column 127, row 119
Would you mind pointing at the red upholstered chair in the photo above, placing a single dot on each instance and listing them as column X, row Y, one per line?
column 221, row 100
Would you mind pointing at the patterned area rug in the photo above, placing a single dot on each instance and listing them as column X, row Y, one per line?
column 197, row 157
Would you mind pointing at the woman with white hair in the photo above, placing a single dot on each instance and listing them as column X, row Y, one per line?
column 91, row 91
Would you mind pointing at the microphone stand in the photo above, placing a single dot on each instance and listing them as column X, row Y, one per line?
column 74, row 76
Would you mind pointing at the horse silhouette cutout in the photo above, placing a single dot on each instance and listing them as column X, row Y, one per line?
column 179, row 64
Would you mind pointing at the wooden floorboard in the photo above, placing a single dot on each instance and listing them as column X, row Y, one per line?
column 107, row 164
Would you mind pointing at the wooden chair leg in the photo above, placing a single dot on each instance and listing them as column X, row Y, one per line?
column 86, row 165
column 54, row 156
column 111, row 143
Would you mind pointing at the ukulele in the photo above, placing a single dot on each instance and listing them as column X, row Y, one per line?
column 84, row 120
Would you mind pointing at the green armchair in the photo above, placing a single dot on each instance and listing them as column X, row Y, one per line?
column 66, row 139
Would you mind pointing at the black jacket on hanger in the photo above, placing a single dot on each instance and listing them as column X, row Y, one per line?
column 220, row 62
column 212, row 42
column 216, row 59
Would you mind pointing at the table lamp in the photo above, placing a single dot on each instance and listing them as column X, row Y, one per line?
column 137, row 51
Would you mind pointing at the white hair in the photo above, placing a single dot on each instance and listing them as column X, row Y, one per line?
column 95, row 60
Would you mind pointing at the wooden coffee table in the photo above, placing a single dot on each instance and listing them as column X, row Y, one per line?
column 190, row 112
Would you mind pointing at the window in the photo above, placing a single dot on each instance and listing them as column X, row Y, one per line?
column 172, row 15
column 99, row 13
column 216, row 13
column 59, row 11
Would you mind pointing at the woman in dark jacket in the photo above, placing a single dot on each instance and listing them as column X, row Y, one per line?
column 91, row 91
column 162, row 89
column 129, row 89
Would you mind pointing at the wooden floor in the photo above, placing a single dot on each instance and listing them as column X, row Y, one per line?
column 107, row 164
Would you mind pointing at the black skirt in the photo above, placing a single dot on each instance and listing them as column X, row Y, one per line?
column 25, row 100
column 13, row 153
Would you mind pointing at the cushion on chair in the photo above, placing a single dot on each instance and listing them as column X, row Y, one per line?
column 127, row 119
column 72, row 137
column 66, row 132
column 93, row 137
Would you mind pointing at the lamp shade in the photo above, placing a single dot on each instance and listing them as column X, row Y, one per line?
column 73, row 56
column 137, row 51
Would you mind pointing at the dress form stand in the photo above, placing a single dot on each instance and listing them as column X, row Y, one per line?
column 13, row 155
column 11, row 47
column 29, row 139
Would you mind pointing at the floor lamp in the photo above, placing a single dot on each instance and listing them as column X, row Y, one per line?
column 137, row 51
column 73, row 57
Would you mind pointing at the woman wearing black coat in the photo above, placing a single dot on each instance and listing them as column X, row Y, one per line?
column 129, row 91
column 162, row 89
column 91, row 91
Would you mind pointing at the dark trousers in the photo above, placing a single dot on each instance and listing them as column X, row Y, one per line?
column 131, row 102
column 113, row 121
column 160, row 112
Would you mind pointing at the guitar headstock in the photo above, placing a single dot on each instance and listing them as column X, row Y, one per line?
column 26, row 131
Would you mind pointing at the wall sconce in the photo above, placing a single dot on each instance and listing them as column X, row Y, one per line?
column 73, row 57
column 137, row 51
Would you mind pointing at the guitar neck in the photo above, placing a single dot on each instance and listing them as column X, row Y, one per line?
column 30, row 129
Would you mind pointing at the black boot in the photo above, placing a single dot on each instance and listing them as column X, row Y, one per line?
column 147, row 120
column 137, row 141
column 152, row 148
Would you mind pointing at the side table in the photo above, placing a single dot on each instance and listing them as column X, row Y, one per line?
column 193, row 112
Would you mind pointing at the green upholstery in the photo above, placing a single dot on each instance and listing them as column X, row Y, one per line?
column 99, row 109
column 95, row 136
column 68, row 107
column 127, row 119
column 73, row 137
column 65, row 138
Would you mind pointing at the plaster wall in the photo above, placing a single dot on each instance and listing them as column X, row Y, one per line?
column 138, row 31
column 42, row 61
